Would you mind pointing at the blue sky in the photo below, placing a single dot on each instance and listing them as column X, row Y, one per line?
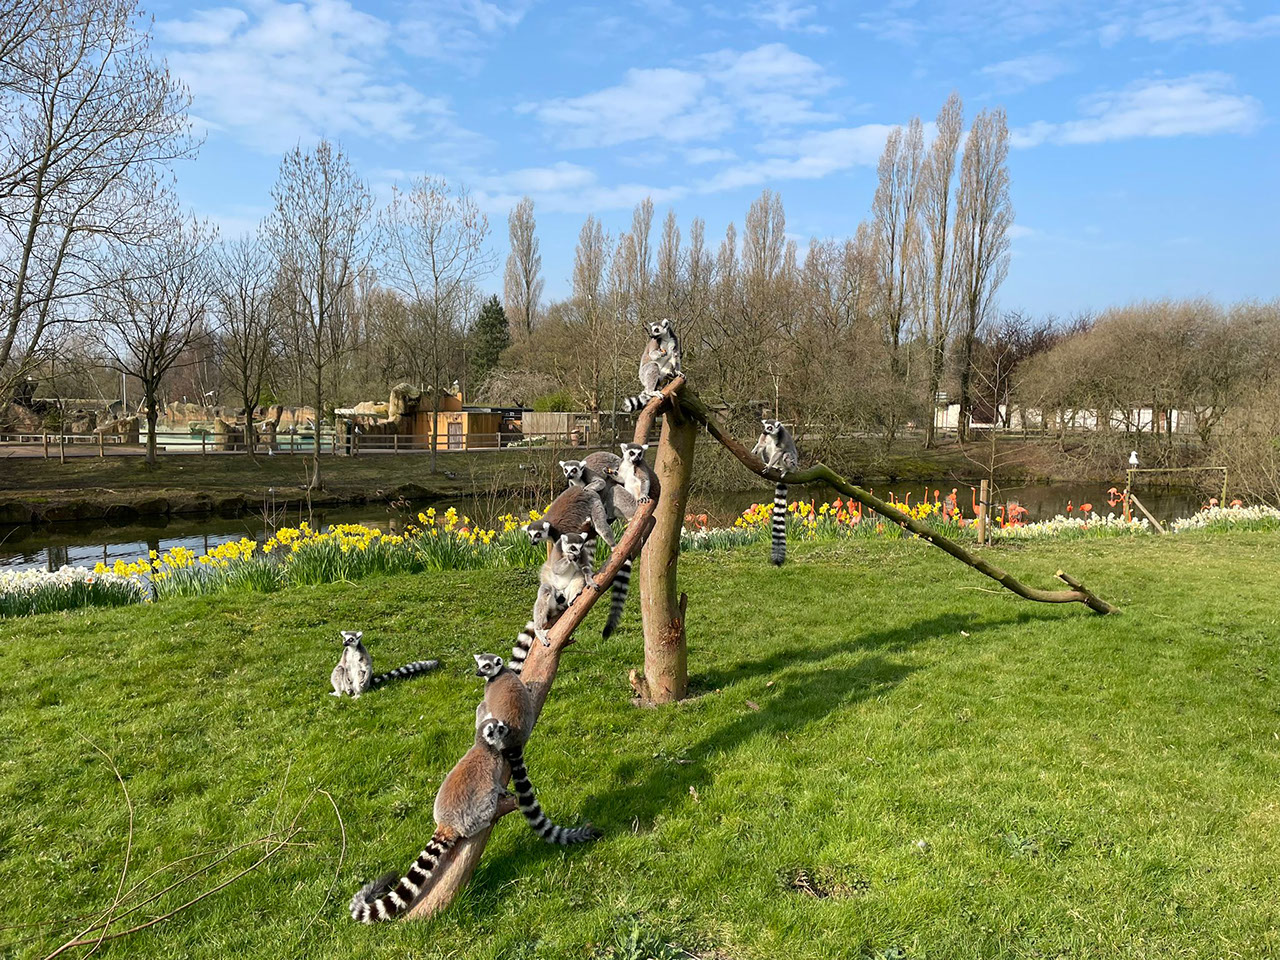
column 1146, row 160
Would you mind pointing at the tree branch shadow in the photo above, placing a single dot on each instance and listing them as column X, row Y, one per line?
column 810, row 683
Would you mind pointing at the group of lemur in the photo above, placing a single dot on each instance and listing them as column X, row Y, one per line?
column 603, row 487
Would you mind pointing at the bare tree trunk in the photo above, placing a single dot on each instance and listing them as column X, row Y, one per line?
column 153, row 416
column 666, row 666
column 315, row 460
column 435, row 424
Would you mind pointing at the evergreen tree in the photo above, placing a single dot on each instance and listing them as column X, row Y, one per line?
column 490, row 337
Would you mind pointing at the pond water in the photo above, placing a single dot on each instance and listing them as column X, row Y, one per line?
column 49, row 546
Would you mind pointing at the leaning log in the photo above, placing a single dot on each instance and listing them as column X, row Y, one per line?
column 538, row 673
column 692, row 406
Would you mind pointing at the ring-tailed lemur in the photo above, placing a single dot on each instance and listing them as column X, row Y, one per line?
column 777, row 448
column 565, row 569
column 577, row 509
column 507, row 700
column 659, row 363
column 354, row 673
column 465, row 804
column 600, row 469
column 355, row 666
column 637, row 476
column 546, row 611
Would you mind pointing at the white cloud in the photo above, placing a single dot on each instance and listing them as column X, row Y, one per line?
column 1027, row 71
column 1198, row 20
column 564, row 188
column 1198, row 105
column 699, row 155
column 786, row 15
column 456, row 30
column 811, row 156
column 771, row 86
column 276, row 73
column 664, row 104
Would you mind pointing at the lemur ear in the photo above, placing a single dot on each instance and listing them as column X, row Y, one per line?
column 644, row 446
column 562, row 464
column 359, row 634
column 479, row 658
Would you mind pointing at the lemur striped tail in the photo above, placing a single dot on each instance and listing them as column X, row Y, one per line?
column 621, row 584
column 779, row 553
column 408, row 670
column 524, row 643
column 368, row 908
column 632, row 404
column 532, row 811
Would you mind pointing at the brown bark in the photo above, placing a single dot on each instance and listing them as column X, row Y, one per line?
column 820, row 473
column 538, row 674
column 666, row 667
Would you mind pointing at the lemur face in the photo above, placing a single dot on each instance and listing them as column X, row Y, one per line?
column 571, row 545
column 539, row 531
column 659, row 328
column 771, row 427
column 494, row 732
column 633, row 452
column 572, row 469
column 488, row 665
column 351, row 637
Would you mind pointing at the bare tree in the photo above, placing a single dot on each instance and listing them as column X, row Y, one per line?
column 642, row 269
column 984, row 214
column 434, row 245
column 91, row 119
column 522, row 281
column 318, row 233
column 938, row 261
column 153, row 300
column 590, row 267
column 897, row 232
column 246, row 305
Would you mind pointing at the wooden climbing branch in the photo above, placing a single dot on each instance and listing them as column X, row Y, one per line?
column 820, row 473
column 539, row 672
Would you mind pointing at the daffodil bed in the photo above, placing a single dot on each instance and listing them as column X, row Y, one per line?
column 447, row 541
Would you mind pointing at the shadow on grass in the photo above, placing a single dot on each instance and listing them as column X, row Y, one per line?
column 810, row 683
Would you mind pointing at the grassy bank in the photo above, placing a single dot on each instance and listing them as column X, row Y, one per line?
column 880, row 759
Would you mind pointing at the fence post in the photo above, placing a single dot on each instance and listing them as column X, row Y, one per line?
column 203, row 437
column 45, row 435
column 395, row 443
column 101, row 452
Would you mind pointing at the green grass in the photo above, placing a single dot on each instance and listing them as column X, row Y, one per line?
column 1083, row 786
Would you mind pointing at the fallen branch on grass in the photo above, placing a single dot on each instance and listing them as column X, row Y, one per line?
column 820, row 473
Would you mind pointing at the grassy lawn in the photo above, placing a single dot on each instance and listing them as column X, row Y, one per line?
column 880, row 759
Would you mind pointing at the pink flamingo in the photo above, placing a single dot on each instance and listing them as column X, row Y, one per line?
column 1086, row 508
column 1237, row 502
column 1069, row 506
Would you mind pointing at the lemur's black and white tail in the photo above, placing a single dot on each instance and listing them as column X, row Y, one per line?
column 408, row 670
column 371, row 904
column 621, row 584
column 632, row 404
column 779, row 554
column 524, row 643
column 532, row 811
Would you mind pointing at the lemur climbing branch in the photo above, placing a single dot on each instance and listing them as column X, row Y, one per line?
column 690, row 403
column 539, row 672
